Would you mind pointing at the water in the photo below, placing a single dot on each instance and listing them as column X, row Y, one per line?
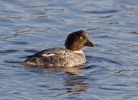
column 28, row 26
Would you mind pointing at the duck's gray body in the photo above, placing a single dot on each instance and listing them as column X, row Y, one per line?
column 57, row 57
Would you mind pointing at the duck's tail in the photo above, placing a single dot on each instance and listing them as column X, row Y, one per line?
column 14, row 62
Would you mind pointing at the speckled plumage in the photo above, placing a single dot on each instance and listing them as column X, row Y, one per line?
column 61, row 58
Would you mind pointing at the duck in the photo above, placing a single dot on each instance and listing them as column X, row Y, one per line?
column 70, row 56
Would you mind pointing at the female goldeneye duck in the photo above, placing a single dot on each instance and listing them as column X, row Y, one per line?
column 59, row 57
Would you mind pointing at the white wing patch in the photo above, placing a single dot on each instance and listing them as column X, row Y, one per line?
column 47, row 55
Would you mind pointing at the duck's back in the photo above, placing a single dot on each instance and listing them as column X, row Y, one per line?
column 57, row 57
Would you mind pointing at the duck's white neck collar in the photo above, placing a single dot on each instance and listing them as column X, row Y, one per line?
column 80, row 51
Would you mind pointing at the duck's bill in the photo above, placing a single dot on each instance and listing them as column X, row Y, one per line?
column 90, row 44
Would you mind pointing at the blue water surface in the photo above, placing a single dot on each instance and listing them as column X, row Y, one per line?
column 111, row 70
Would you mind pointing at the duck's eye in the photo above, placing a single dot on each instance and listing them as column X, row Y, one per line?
column 81, row 37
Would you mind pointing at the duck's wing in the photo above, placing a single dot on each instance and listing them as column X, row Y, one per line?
column 46, row 52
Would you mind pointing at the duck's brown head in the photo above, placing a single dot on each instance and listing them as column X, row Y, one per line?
column 76, row 40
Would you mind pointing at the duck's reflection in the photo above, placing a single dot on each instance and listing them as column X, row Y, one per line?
column 73, row 83
column 51, row 70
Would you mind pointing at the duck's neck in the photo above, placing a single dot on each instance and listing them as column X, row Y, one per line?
column 79, row 51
